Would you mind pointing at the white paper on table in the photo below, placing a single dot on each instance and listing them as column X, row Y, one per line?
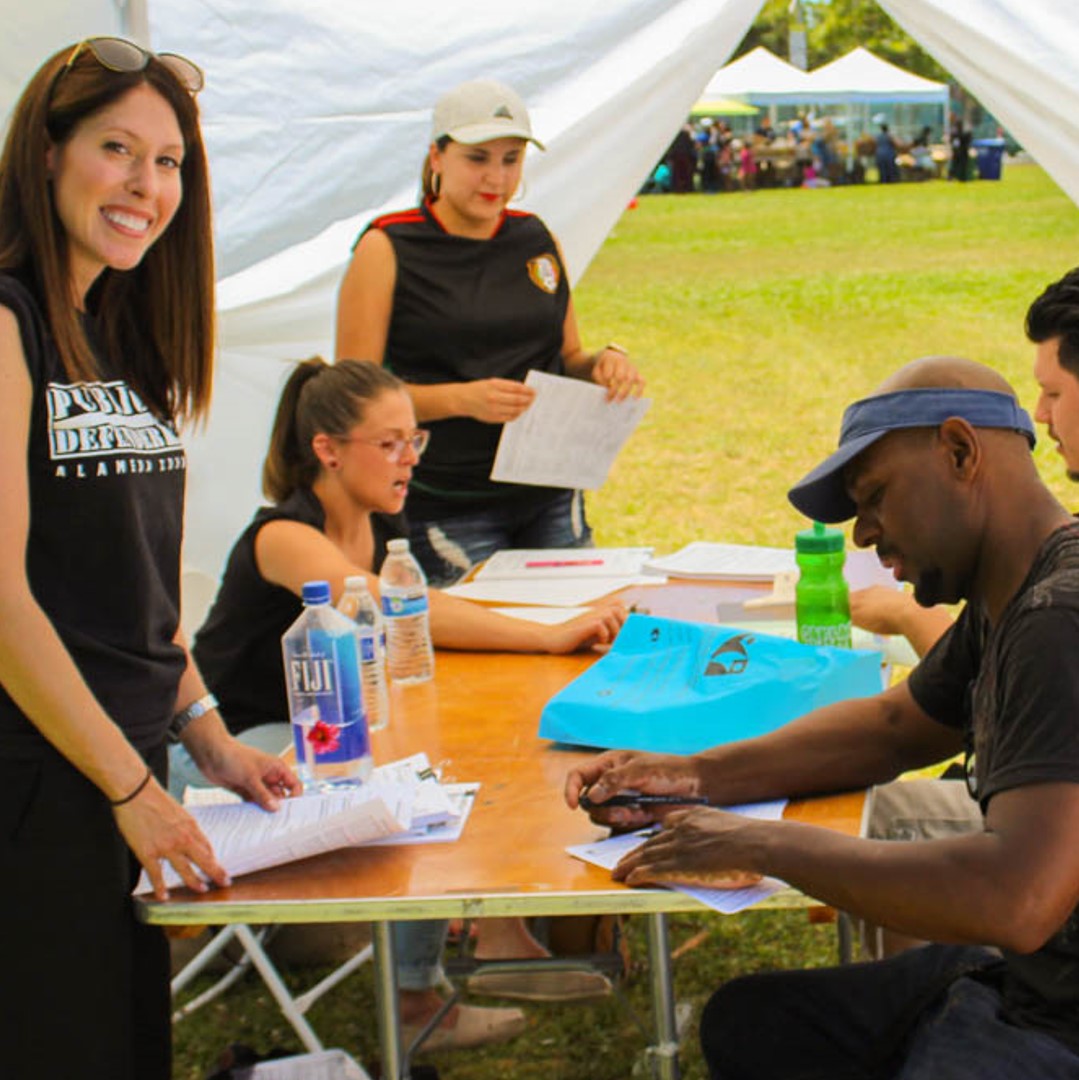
column 246, row 838
column 461, row 797
column 732, row 562
column 568, row 437
column 545, row 564
column 609, row 852
column 564, row 592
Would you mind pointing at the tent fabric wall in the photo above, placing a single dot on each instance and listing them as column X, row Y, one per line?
column 316, row 118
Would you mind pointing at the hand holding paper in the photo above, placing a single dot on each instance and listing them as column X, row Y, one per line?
column 568, row 437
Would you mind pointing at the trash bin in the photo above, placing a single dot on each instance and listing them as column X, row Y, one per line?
column 990, row 154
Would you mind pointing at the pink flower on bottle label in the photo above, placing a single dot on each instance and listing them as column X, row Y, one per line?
column 324, row 738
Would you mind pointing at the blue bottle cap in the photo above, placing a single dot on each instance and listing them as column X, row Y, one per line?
column 316, row 592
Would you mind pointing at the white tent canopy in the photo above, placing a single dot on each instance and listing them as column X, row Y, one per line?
column 316, row 118
column 862, row 78
column 761, row 78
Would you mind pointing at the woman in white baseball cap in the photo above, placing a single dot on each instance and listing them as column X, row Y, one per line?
column 461, row 297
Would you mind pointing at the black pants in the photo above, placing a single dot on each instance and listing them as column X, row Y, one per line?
column 84, row 987
column 846, row 1023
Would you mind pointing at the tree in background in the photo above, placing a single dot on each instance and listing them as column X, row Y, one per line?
column 834, row 27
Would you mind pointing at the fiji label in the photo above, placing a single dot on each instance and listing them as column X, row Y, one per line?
column 311, row 675
column 400, row 605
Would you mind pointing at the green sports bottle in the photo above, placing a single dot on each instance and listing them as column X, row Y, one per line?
column 821, row 597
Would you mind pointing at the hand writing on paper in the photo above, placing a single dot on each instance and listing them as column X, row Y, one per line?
column 631, row 770
column 704, row 847
column 156, row 827
column 495, row 401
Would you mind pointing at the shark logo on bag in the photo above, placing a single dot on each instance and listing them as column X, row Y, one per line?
column 732, row 657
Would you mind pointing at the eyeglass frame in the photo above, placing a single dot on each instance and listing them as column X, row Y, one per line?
column 418, row 441
column 181, row 62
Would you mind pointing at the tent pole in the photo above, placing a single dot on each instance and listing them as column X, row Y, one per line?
column 135, row 20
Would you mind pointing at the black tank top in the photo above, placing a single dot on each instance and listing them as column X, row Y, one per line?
column 466, row 309
column 106, row 520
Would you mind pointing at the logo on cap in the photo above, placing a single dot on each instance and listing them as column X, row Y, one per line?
column 503, row 112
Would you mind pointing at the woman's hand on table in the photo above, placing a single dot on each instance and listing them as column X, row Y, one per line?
column 598, row 627
column 881, row 609
column 494, row 401
column 617, row 771
column 251, row 773
column 702, row 846
column 156, row 828
column 613, row 369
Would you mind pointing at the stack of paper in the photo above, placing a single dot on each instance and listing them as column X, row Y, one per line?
column 730, row 562
column 402, row 803
column 556, row 577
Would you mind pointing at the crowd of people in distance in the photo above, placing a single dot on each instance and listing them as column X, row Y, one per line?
column 707, row 156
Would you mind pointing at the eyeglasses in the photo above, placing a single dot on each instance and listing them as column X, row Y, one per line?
column 119, row 54
column 394, row 449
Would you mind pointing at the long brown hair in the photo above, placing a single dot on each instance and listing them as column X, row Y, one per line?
column 156, row 320
column 318, row 399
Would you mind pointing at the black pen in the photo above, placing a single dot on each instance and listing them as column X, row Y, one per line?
column 641, row 799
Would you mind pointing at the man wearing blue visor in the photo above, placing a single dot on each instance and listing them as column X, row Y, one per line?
column 936, row 470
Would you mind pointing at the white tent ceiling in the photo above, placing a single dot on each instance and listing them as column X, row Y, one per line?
column 316, row 118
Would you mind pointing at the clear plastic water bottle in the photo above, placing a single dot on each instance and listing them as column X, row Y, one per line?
column 325, row 699
column 359, row 605
column 409, row 655
column 821, row 597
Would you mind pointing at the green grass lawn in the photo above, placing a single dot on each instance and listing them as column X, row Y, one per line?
column 756, row 318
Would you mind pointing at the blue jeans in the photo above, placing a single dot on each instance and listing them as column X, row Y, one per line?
column 916, row 1016
column 447, row 547
column 418, row 944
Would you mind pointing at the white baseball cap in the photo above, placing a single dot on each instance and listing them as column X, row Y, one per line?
column 477, row 111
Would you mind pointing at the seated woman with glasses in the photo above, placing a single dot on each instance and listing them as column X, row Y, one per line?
column 342, row 449
column 106, row 347
column 461, row 298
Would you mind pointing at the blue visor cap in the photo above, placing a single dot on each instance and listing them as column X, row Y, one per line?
column 822, row 494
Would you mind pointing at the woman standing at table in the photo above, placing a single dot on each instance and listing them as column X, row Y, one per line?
column 105, row 343
column 462, row 297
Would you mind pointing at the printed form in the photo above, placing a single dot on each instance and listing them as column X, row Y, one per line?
column 568, row 437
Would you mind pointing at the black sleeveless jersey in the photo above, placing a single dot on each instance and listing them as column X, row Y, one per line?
column 466, row 309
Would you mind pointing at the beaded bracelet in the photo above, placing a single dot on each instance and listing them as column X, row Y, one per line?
column 138, row 789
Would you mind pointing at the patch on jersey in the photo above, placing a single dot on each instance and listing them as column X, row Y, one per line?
column 544, row 272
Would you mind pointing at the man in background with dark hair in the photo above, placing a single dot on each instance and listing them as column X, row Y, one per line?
column 1053, row 325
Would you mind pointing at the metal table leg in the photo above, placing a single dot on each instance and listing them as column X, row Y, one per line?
column 664, row 1052
column 389, row 1025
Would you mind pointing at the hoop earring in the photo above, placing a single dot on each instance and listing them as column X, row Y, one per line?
column 436, row 183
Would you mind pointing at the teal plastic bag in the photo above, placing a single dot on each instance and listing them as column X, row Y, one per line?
column 679, row 687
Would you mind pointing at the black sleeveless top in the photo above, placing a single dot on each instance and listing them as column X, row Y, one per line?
column 238, row 647
column 106, row 483
column 466, row 309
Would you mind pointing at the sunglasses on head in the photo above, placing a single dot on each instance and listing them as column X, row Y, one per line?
column 119, row 54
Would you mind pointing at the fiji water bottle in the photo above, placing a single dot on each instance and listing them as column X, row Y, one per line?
column 325, row 700
column 821, row 598
column 359, row 605
column 409, row 656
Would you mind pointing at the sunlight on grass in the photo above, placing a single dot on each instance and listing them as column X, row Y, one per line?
column 757, row 317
